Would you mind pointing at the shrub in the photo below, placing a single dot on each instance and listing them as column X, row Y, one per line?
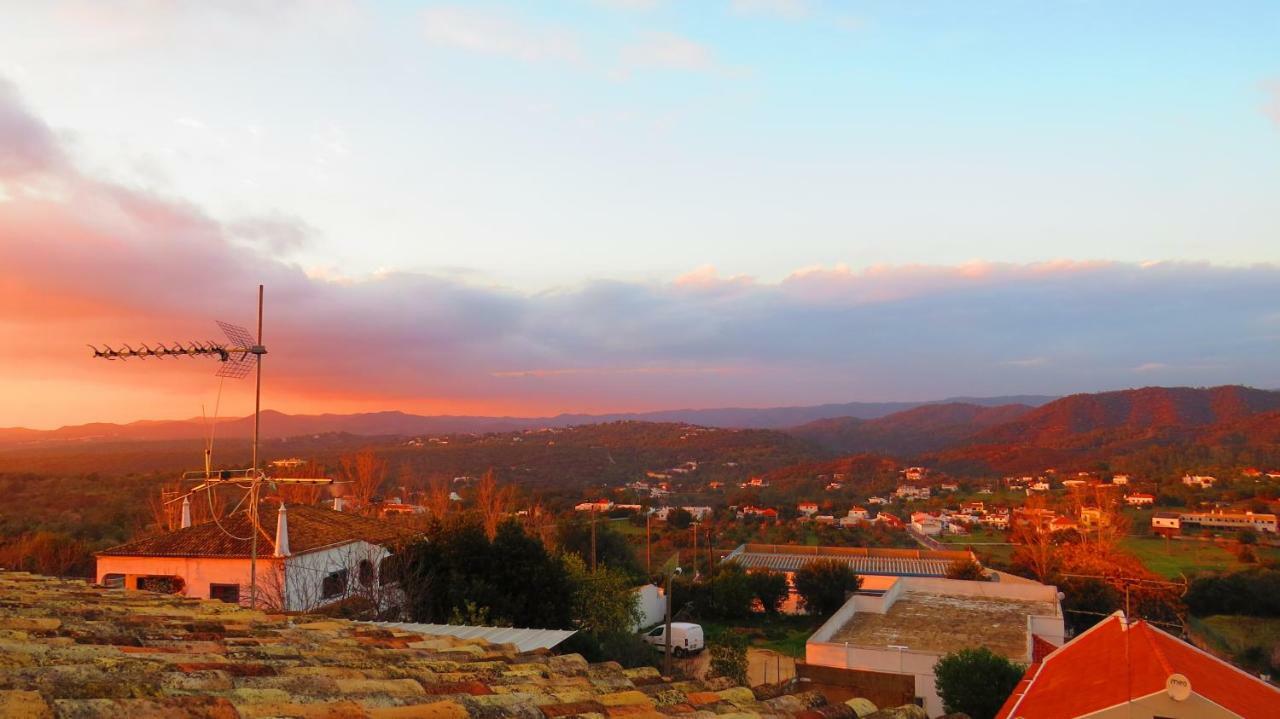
column 966, row 569
column 624, row 648
column 1255, row 592
column 823, row 585
column 729, row 657
column 975, row 681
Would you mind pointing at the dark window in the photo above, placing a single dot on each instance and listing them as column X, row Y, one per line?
column 365, row 572
column 229, row 593
column 162, row 584
column 335, row 585
column 113, row 581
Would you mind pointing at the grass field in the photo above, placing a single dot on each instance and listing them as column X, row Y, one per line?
column 784, row 633
column 1250, row 640
column 1188, row 557
column 986, row 544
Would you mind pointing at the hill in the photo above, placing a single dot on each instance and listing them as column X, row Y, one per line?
column 278, row 424
column 910, row 432
column 1148, row 430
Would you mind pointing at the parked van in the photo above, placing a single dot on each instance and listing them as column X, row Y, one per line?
column 686, row 638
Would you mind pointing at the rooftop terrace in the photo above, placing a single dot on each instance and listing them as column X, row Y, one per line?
column 943, row 623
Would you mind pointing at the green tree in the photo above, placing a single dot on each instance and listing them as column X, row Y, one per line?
column 457, row 569
column 573, row 536
column 679, row 517
column 975, row 681
column 728, row 593
column 770, row 589
column 823, row 585
column 602, row 600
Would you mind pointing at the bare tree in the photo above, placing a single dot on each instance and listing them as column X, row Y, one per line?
column 439, row 499
column 493, row 502
column 365, row 471
column 302, row 493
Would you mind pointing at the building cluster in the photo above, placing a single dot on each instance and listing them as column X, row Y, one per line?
column 1172, row 523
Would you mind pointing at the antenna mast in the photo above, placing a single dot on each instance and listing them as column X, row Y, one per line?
column 237, row 356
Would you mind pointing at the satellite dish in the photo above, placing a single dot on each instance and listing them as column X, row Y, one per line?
column 1178, row 687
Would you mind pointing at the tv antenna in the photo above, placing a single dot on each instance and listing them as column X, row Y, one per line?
column 238, row 356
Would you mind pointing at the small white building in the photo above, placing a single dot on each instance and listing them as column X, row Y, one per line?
column 908, row 627
column 808, row 509
column 599, row 505
column 307, row 557
column 1140, row 499
column 1120, row 479
column 926, row 524
column 1198, row 480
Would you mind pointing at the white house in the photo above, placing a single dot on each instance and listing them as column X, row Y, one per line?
column 857, row 515
column 909, row 492
column 600, row 505
column 1201, row 481
column 926, row 524
column 307, row 557
column 808, row 509
column 1121, row 479
column 1140, row 499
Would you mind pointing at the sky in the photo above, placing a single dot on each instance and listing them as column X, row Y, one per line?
column 608, row 205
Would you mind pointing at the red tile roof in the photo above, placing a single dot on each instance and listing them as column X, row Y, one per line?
column 310, row 528
column 1111, row 664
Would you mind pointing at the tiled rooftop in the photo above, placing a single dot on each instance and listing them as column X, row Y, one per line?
column 75, row 651
column 309, row 528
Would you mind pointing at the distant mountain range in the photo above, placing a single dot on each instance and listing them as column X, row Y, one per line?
column 278, row 424
column 966, row 437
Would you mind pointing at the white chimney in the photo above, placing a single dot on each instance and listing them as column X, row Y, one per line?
column 186, row 512
column 282, row 532
column 338, row 504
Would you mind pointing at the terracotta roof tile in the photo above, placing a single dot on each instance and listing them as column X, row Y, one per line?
column 1111, row 664
column 309, row 528
column 92, row 653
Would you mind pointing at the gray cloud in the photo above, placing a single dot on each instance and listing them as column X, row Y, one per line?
column 99, row 261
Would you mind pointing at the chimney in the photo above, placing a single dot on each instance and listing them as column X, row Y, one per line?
column 186, row 512
column 338, row 504
column 282, row 532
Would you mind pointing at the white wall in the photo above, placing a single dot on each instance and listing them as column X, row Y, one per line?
column 197, row 573
column 653, row 605
column 305, row 573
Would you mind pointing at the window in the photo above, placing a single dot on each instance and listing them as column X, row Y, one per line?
column 229, row 593
column 335, row 585
column 656, row 632
column 113, row 581
column 364, row 571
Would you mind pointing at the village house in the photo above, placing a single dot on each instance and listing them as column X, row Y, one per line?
column 856, row 516
column 1122, row 668
column 914, row 474
column 926, row 524
column 949, row 487
column 1166, row 524
column 599, row 505
column 907, row 492
column 1120, row 479
column 877, row 500
column 1140, row 499
column 1201, row 481
column 307, row 557
column 758, row 512
column 808, row 509
column 996, row 519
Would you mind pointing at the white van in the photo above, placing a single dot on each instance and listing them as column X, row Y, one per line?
column 686, row 638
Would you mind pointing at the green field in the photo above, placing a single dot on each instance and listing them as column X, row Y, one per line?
column 990, row 545
column 1248, row 640
column 1188, row 557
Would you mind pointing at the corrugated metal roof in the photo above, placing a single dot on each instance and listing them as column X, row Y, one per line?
column 526, row 640
column 899, row 563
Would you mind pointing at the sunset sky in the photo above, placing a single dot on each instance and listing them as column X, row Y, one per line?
column 606, row 205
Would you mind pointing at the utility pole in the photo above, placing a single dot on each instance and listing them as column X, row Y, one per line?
column 258, row 350
column 648, row 554
column 666, row 636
